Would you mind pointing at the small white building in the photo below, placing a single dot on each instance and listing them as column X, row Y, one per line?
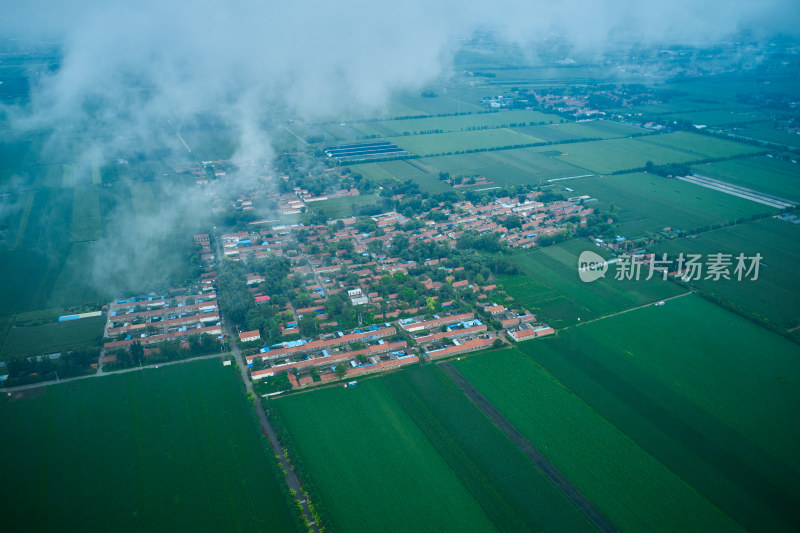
column 250, row 336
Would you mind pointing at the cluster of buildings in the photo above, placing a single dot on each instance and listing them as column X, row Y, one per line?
column 154, row 319
column 589, row 101
column 346, row 354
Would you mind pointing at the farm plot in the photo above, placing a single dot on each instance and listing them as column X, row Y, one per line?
column 34, row 275
column 443, row 143
column 371, row 466
column 512, row 491
column 775, row 295
column 618, row 154
column 75, row 284
column 699, row 146
column 342, row 207
column 719, row 117
column 414, row 105
column 632, row 488
column 550, row 286
column 86, row 218
column 464, row 122
column 166, row 455
column 765, row 131
column 52, row 338
column 645, row 203
column 402, row 170
column 601, row 129
column 48, row 222
column 705, row 392
column 764, row 174
column 507, row 167
column 16, row 209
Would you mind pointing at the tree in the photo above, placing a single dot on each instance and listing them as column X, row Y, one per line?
column 512, row 222
column 308, row 326
column 137, row 352
column 430, row 304
column 341, row 370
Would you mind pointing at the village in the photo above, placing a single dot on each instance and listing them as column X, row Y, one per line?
column 352, row 296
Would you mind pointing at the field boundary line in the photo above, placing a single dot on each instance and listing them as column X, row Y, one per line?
column 592, row 513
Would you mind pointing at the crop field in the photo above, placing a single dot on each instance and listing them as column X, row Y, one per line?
column 512, row 167
column 342, row 207
column 170, row 448
column 705, row 392
column 775, row 295
column 402, row 170
column 648, row 203
column 453, row 139
column 410, row 105
column 633, row 489
column 371, row 465
column 765, row 131
column 763, row 174
column 74, row 283
column 497, row 474
column 34, row 275
column 600, row 129
column 442, row 143
column 720, row 117
column 86, row 219
column 463, row 122
column 51, row 338
column 699, row 146
column 619, row 154
column 6, row 321
column 550, row 287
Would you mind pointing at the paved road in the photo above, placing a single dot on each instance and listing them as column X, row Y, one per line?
column 101, row 374
column 291, row 476
column 553, row 474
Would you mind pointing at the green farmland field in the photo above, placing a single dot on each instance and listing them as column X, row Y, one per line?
column 601, row 129
column 619, row 154
column 34, row 275
column 512, row 491
column 86, row 219
column 622, row 154
column 441, row 143
column 463, row 122
column 51, row 338
column 707, row 393
column 550, row 287
column 402, row 170
column 342, row 207
column 765, row 131
column 719, row 117
column 172, row 448
column 633, row 489
column 372, row 466
column 764, row 174
column 775, row 295
column 648, row 203
column 699, row 146
column 524, row 166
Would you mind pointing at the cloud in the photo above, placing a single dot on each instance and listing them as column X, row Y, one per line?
column 135, row 63
column 130, row 68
